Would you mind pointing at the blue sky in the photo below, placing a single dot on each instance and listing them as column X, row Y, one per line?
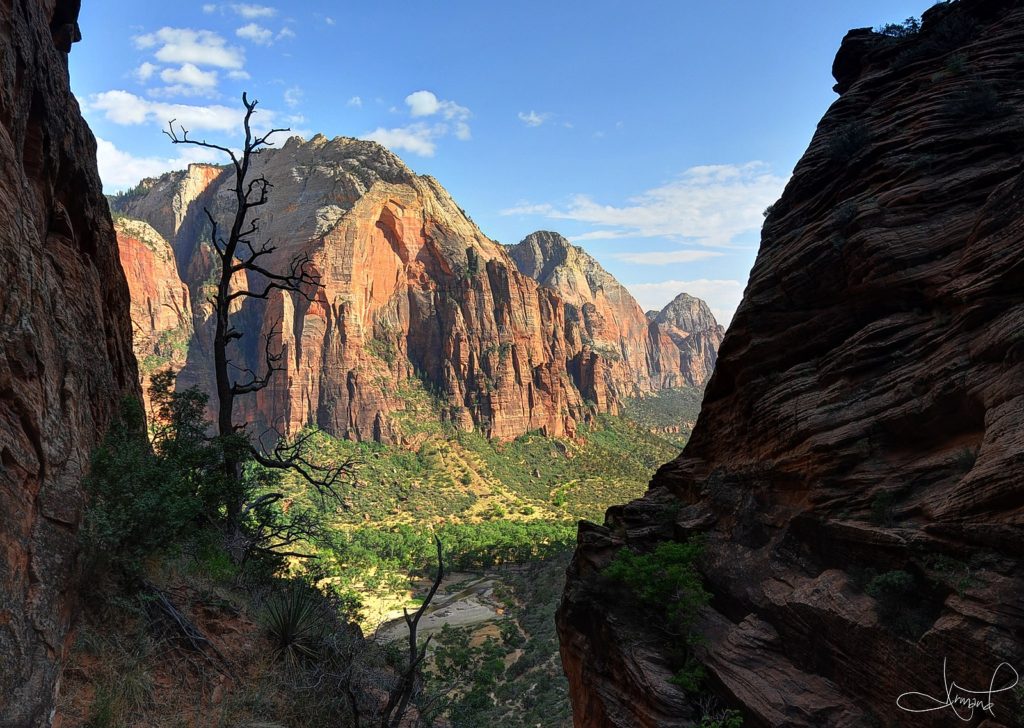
column 651, row 133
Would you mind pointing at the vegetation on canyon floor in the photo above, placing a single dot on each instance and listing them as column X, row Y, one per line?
column 156, row 553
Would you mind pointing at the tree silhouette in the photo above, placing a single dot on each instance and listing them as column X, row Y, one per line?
column 242, row 252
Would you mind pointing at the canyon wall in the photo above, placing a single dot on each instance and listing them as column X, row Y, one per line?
column 65, row 345
column 618, row 352
column 855, row 471
column 410, row 289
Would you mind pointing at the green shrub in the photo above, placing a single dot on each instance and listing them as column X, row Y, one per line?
column 666, row 585
column 882, row 513
column 901, row 607
column 723, row 719
column 976, row 101
column 907, row 29
column 847, row 141
column 139, row 501
column 295, row 624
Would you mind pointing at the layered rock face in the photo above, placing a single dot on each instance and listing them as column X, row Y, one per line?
column 411, row 288
column 621, row 352
column 684, row 343
column 65, row 345
column 161, row 310
column 856, row 467
column 604, row 326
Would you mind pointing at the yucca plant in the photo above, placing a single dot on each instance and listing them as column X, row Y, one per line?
column 295, row 624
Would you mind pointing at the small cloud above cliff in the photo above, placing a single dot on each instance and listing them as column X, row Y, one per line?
column 421, row 137
column 120, row 170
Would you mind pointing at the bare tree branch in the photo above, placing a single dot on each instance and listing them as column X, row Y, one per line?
column 398, row 701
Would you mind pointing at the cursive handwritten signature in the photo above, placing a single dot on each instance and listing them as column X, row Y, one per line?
column 959, row 698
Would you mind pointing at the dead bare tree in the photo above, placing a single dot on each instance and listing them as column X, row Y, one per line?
column 241, row 252
column 398, row 701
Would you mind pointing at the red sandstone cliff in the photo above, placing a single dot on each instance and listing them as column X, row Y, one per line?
column 865, row 417
column 65, row 345
column 411, row 287
column 161, row 310
column 684, row 343
column 618, row 352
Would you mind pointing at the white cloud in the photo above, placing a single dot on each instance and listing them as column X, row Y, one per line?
column 422, row 103
column 722, row 296
column 708, row 205
column 184, row 45
column 145, row 71
column 239, row 75
column 209, row 8
column 189, row 75
column 120, row 170
column 121, row 107
column 285, row 33
column 355, row 102
column 525, row 208
column 415, row 138
column 533, row 118
column 420, row 137
column 250, row 12
column 255, row 33
column 426, row 103
column 665, row 257
column 293, row 96
column 329, row 20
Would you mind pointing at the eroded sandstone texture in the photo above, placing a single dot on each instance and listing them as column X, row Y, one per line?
column 866, row 417
column 411, row 288
column 161, row 308
column 618, row 351
column 65, row 345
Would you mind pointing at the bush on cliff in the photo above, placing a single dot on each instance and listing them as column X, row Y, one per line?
column 666, row 586
column 146, row 495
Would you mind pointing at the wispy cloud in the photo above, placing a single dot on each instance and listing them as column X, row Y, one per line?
column 251, row 12
column 722, row 295
column 145, row 71
column 255, row 33
column 128, row 109
column 188, row 80
column 666, row 257
column 709, row 205
column 533, row 118
column 293, row 96
column 416, row 138
column 185, row 45
column 120, row 170
column 355, row 102
column 420, row 137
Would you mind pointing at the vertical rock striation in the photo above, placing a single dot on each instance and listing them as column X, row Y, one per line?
column 684, row 343
column 161, row 309
column 619, row 350
column 856, row 467
column 65, row 345
column 533, row 337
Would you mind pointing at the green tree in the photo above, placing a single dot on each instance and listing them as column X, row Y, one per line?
column 666, row 584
